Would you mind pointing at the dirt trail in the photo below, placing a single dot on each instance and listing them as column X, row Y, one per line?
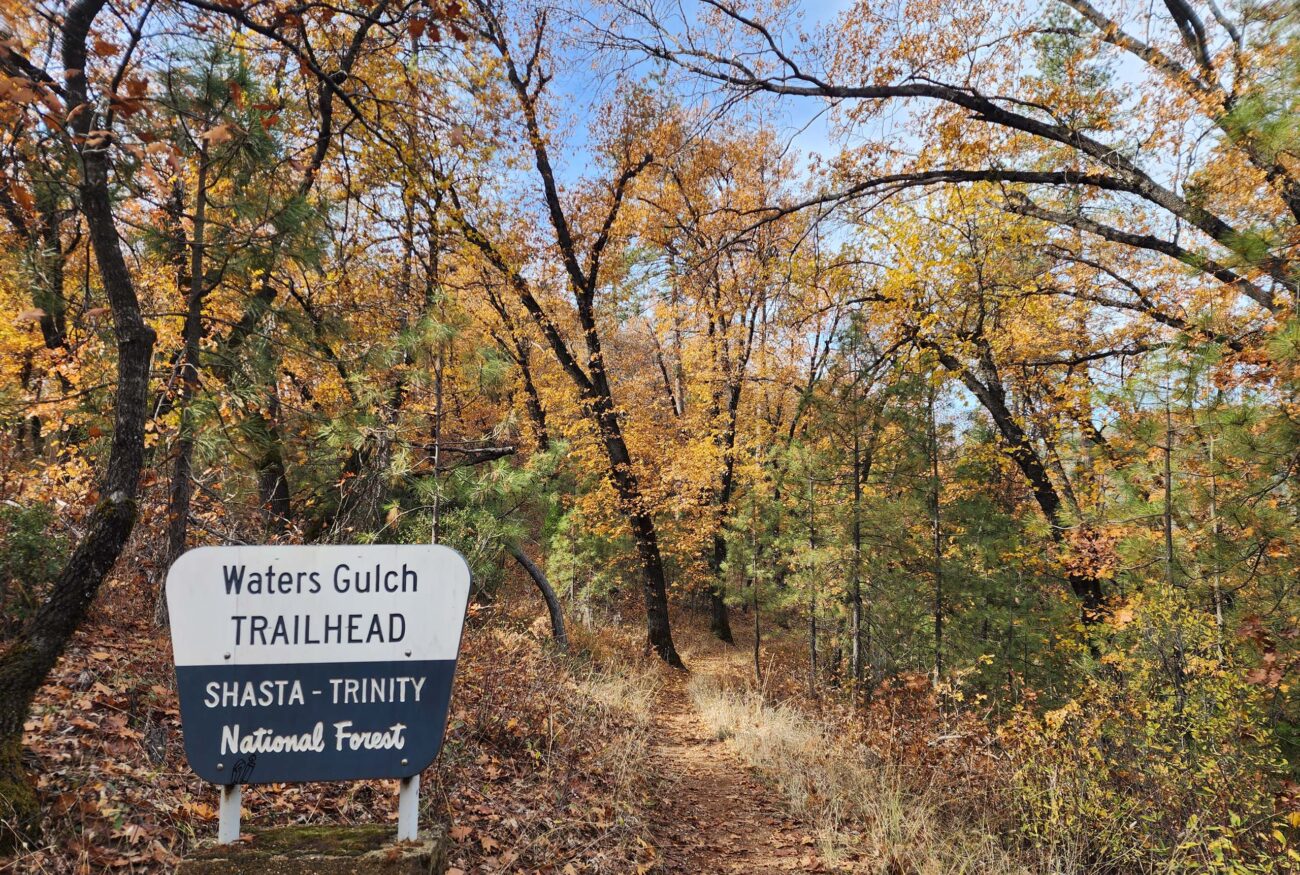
column 717, row 817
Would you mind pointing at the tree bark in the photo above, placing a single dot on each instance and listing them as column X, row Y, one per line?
column 654, row 584
column 719, row 624
column 182, row 485
column 272, row 478
column 936, row 533
column 517, row 349
column 27, row 662
column 812, row 590
column 855, row 578
column 548, row 593
column 718, row 621
column 758, row 635
column 51, row 259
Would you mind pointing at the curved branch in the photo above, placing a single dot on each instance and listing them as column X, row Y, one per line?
column 548, row 594
column 1018, row 203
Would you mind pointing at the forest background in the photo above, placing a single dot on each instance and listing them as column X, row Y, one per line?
column 950, row 351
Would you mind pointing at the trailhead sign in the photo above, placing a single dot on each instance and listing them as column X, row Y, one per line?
column 315, row 663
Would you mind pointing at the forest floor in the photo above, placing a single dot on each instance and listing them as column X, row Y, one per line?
column 717, row 816
column 598, row 762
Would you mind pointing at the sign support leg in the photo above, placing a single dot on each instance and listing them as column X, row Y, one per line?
column 228, row 826
column 408, row 808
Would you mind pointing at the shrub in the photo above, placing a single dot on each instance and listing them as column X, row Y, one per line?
column 30, row 558
column 1162, row 762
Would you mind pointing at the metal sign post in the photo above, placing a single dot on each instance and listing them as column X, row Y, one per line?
column 316, row 663
column 228, row 825
column 408, row 809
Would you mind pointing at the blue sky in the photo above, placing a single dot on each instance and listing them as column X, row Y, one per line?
column 581, row 87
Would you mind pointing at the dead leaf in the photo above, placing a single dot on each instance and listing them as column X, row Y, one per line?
column 218, row 134
column 21, row 195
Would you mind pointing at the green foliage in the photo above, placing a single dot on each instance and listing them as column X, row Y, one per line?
column 1065, row 59
column 481, row 512
column 585, row 561
column 31, row 556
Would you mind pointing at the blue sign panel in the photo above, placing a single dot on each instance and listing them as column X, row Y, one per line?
column 315, row 663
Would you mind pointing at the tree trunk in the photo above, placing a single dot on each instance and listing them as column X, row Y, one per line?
column 182, row 485
column 855, row 577
column 532, row 399
column 654, row 584
column 1168, row 514
column 272, row 478
column 27, row 662
column 49, row 276
column 812, row 591
column 437, row 446
column 719, row 624
column 552, row 600
column 936, row 533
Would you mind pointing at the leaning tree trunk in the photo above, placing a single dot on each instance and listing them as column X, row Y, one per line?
column 32, row 654
column 991, row 393
column 653, row 580
column 548, row 594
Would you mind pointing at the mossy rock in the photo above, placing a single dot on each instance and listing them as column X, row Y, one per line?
column 323, row 850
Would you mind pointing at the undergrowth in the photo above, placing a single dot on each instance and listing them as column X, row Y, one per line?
column 544, row 766
column 855, row 800
column 1125, row 779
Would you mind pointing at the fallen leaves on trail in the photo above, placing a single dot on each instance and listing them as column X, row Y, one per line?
column 537, row 774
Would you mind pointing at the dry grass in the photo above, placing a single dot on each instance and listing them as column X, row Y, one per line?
column 620, row 698
column 858, row 804
column 565, row 743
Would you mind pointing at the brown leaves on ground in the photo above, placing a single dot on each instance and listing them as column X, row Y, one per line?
column 534, row 776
